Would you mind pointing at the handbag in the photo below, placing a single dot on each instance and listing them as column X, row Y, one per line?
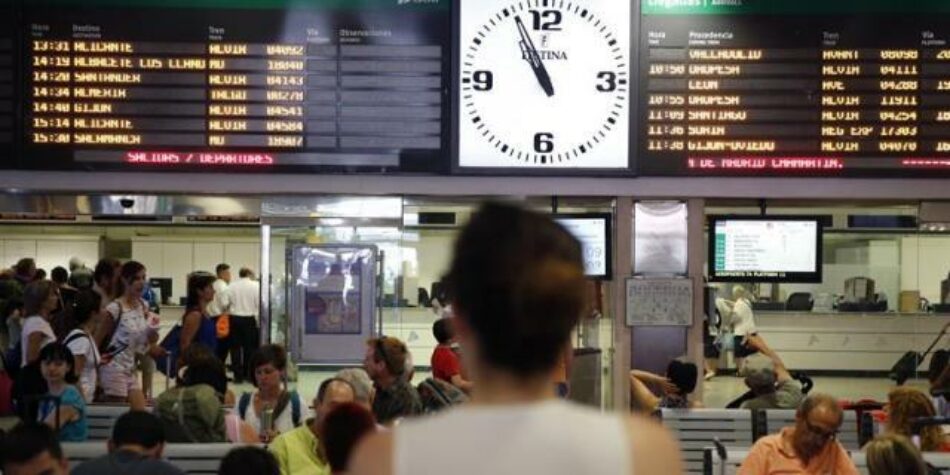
column 726, row 341
column 223, row 326
column 172, row 344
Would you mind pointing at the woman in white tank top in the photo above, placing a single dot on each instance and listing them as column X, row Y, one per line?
column 517, row 287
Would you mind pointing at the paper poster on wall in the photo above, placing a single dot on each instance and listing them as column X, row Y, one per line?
column 659, row 302
column 544, row 85
column 332, row 312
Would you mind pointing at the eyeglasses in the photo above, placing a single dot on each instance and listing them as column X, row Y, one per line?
column 821, row 432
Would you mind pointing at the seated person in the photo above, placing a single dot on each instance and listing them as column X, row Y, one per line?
column 893, row 454
column 198, row 401
column 362, row 385
column 249, row 461
column 136, row 446
column 679, row 383
column 905, row 404
column 31, row 449
column 269, row 366
column 445, row 362
column 342, row 429
column 807, row 448
column 57, row 367
column 388, row 363
column 296, row 450
column 769, row 381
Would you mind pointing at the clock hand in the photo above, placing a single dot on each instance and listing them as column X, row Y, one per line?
column 534, row 59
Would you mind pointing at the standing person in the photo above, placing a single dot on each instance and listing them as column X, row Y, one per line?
column 245, row 299
column 445, row 362
column 126, row 332
column 40, row 299
column 25, row 271
column 136, row 447
column 385, row 362
column 69, row 417
column 81, row 342
column 296, row 451
column 60, row 276
column 894, row 454
column 808, row 447
column 80, row 276
column 518, row 287
column 221, row 306
column 106, row 279
column 269, row 364
column 196, row 325
column 743, row 327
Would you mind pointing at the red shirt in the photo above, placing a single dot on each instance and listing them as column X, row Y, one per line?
column 445, row 363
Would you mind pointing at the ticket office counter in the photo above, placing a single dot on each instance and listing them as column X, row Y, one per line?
column 846, row 342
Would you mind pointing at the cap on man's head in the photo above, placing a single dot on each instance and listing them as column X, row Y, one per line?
column 760, row 372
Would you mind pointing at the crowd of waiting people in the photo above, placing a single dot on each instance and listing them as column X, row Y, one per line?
column 84, row 336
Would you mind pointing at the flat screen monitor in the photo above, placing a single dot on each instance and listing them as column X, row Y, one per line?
column 593, row 231
column 764, row 249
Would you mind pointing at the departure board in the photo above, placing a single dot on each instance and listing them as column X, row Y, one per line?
column 7, row 82
column 327, row 85
column 837, row 88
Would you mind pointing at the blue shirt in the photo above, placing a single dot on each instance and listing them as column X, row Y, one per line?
column 76, row 431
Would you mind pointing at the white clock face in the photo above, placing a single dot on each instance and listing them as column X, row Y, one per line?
column 544, row 83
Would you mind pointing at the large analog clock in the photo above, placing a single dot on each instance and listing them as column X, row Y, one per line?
column 544, row 83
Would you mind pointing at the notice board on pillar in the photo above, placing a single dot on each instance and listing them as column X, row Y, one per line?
column 659, row 302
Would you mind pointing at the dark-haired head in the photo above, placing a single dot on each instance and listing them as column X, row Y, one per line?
column 105, row 272
column 682, row 374
column 25, row 268
column 139, row 429
column 129, row 274
column 268, row 364
column 200, row 289
column 518, row 288
column 57, row 361
column 208, row 371
column 223, row 271
column 59, row 274
column 40, row 297
column 443, row 331
column 249, row 461
column 33, row 448
column 342, row 428
column 86, row 305
column 246, row 273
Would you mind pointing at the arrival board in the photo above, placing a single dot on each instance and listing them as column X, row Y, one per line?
column 331, row 85
column 840, row 88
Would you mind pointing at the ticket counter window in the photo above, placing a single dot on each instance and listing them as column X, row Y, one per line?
column 881, row 295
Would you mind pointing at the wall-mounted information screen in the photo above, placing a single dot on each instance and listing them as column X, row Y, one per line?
column 273, row 85
column 811, row 87
column 7, row 82
column 593, row 232
column 764, row 249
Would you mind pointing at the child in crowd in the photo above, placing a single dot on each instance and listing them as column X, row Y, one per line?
column 57, row 367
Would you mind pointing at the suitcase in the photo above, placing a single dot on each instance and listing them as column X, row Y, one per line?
column 908, row 363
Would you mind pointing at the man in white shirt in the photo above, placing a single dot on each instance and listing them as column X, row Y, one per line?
column 221, row 305
column 245, row 299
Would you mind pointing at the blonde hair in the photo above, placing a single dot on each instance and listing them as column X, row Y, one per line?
column 894, row 454
column 907, row 404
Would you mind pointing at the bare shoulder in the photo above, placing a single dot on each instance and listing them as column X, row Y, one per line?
column 653, row 448
column 373, row 456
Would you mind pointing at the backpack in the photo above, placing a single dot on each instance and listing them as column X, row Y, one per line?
column 191, row 414
column 295, row 410
column 437, row 395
